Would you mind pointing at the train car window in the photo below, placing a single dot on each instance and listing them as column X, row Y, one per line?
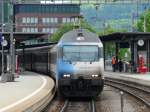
column 60, row 52
column 100, row 52
column 53, row 57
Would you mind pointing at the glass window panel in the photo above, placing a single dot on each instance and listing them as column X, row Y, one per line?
column 23, row 29
column 36, row 29
column 52, row 30
column 43, row 30
column 48, row 20
column 28, row 20
column 55, row 30
column 43, row 20
column 32, row 29
column 27, row 29
column 80, row 53
column 48, row 29
column 76, row 19
column 68, row 20
column 23, row 20
column 56, row 20
column 32, row 19
column 36, row 20
column 52, row 20
column 63, row 20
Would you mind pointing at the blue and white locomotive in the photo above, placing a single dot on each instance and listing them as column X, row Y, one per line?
column 79, row 64
column 76, row 62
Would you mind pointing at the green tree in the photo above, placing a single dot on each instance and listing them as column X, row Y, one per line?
column 109, row 49
column 122, row 52
column 67, row 27
column 63, row 29
column 109, row 30
column 140, row 24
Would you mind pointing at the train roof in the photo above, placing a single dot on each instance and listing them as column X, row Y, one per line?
column 40, row 48
column 78, row 36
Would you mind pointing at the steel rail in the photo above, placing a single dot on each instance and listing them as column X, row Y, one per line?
column 129, row 89
column 66, row 105
column 93, row 109
column 130, row 84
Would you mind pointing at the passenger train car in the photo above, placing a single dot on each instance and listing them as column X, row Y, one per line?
column 76, row 61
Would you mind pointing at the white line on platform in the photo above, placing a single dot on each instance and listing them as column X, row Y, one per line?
column 27, row 97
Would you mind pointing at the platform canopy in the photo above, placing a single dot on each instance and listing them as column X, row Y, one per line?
column 126, row 36
column 21, row 36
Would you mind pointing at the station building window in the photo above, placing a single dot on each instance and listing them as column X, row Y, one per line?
column 53, row 30
column 46, row 30
column 55, row 20
column 32, row 20
column 76, row 19
column 45, row 20
column 50, row 20
column 30, row 30
column 23, row 29
column 49, row 30
column 68, row 20
column 29, row 20
column 23, row 20
column 63, row 20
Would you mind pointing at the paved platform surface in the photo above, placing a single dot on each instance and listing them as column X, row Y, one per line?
column 30, row 88
column 143, row 79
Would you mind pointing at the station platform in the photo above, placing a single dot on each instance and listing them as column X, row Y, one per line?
column 28, row 93
column 143, row 79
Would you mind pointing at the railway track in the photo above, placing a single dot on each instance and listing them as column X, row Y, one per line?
column 72, row 106
column 142, row 93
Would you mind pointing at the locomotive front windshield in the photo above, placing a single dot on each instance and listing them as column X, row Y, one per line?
column 80, row 53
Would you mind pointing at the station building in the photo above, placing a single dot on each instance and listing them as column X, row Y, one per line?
column 138, row 44
column 44, row 17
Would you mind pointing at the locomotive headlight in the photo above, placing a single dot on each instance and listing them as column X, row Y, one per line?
column 66, row 75
column 95, row 75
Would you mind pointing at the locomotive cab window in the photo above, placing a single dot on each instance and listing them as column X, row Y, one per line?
column 80, row 53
